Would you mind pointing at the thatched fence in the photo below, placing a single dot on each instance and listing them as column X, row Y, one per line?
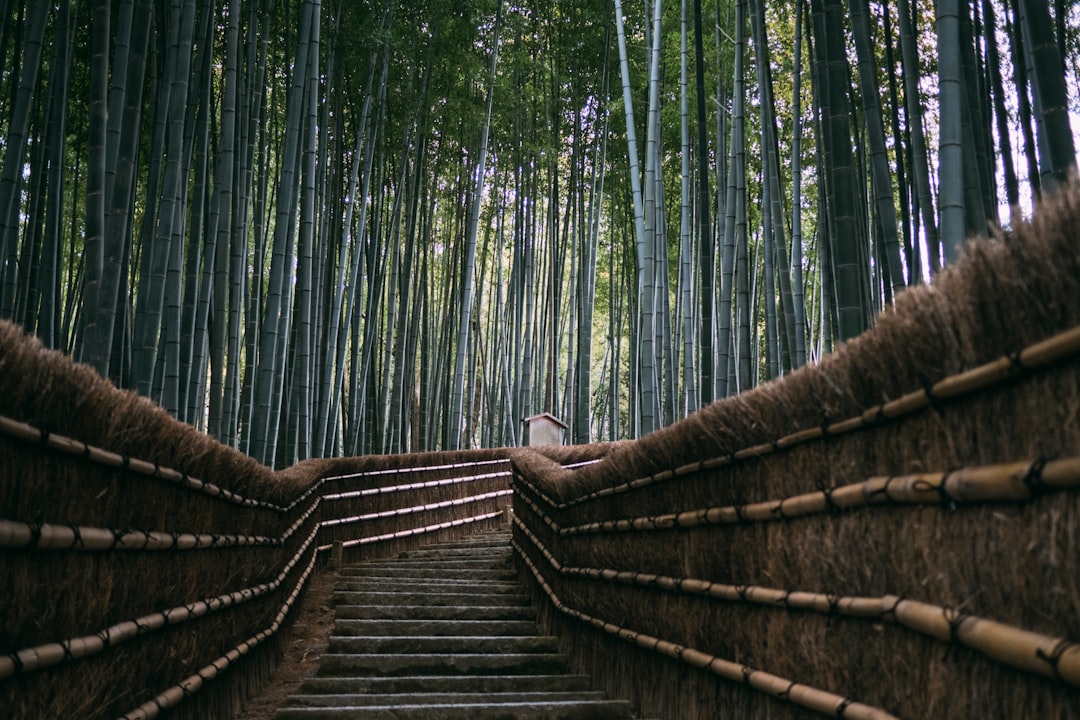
column 141, row 560
column 893, row 533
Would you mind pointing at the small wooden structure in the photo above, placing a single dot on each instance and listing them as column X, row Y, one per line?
column 544, row 429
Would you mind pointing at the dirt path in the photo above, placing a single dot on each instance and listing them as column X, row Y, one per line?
column 305, row 641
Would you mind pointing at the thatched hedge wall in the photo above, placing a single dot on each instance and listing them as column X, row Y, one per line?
column 83, row 464
column 1013, row 562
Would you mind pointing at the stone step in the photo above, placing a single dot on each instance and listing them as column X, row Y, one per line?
column 549, row 710
column 391, row 572
column 433, row 612
column 383, row 628
column 451, row 553
column 584, row 710
column 445, row 684
column 353, row 597
column 359, row 584
column 444, row 644
column 435, row 698
column 497, row 562
column 384, row 664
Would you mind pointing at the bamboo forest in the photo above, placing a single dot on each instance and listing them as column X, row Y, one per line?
column 324, row 227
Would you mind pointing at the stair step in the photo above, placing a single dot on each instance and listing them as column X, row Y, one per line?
column 497, row 562
column 458, row 552
column 383, row 664
column 437, row 698
column 373, row 628
column 444, row 644
column 446, row 684
column 433, row 612
column 390, row 572
column 359, row 584
column 586, row 710
column 430, row 598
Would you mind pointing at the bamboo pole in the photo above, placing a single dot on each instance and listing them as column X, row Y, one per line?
column 1004, row 482
column 398, row 512
column 44, row 536
column 43, row 656
column 1004, row 369
column 1050, row 656
column 193, row 683
column 820, row 701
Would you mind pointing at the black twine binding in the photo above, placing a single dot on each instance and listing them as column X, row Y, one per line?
column 1033, row 478
column 1053, row 658
column 954, row 618
column 932, row 399
column 841, row 709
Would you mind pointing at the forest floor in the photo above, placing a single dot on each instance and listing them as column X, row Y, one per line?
column 304, row 642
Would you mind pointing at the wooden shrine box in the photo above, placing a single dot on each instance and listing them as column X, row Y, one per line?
column 544, row 429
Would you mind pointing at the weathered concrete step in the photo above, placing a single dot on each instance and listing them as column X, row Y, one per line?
column 446, row 684
column 373, row 628
column 472, row 559
column 359, row 584
column 383, row 664
column 499, row 539
column 595, row 710
column 451, row 553
column 352, row 597
column 432, row 612
column 390, row 572
column 444, row 644
column 392, row 700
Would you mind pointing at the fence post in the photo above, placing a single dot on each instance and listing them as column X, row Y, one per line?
column 337, row 553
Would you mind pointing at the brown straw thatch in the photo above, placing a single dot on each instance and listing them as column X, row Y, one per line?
column 736, row 532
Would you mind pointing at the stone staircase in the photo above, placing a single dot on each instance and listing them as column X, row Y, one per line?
column 445, row 633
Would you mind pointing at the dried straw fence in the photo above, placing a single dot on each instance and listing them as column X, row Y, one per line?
column 140, row 560
column 893, row 533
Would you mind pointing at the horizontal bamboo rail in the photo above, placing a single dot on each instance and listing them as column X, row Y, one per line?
column 1006, row 368
column 1052, row 657
column 427, row 484
column 45, row 536
column 398, row 512
column 415, row 531
column 54, row 441
column 820, row 701
column 415, row 470
column 49, row 654
column 1003, row 482
column 192, row 684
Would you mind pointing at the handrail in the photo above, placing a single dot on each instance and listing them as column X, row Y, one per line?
column 1004, row 369
column 821, row 701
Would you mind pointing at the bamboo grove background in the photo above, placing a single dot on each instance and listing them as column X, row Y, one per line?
column 313, row 228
